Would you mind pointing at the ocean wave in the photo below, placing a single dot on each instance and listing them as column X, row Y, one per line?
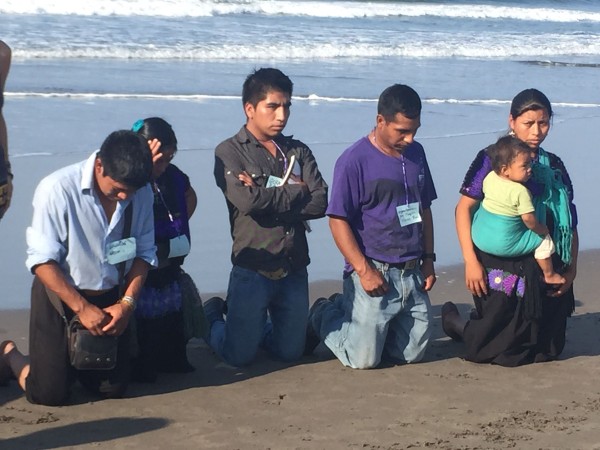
column 323, row 9
column 30, row 154
column 119, row 96
column 418, row 47
column 548, row 63
column 313, row 99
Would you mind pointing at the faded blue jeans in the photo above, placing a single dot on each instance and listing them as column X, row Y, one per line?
column 358, row 328
column 249, row 297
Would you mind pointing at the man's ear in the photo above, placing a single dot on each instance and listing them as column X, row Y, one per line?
column 249, row 110
column 98, row 168
column 380, row 120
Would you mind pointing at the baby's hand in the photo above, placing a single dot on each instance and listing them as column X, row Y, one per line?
column 544, row 229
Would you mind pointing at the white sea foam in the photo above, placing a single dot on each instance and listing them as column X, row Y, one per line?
column 326, row 9
column 30, row 154
column 311, row 98
column 315, row 99
column 119, row 96
column 412, row 46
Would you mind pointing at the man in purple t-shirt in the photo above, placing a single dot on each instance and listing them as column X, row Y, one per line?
column 380, row 218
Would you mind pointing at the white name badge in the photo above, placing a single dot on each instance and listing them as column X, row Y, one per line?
column 119, row 251
column 274, row 181
column 179, row 246
column 408, row 214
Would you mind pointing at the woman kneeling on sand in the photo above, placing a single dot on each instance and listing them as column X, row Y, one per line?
column 517, row 319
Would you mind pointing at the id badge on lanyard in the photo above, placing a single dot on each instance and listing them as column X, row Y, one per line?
column 274, row 181
column 121, row 250
column 408, row 213
column 179, row 246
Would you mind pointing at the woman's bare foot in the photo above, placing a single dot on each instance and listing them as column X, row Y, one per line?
column 5, row 371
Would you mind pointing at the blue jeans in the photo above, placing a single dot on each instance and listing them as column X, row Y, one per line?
column 358, row 328
column 249, row 297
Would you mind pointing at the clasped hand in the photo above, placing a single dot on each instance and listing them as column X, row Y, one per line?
column 110, row 321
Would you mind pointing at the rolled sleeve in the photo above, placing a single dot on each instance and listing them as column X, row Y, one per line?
column 144, row 226
column 46, row 237
column 40, row 249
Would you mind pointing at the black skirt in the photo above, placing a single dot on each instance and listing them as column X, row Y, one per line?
column 506, row 332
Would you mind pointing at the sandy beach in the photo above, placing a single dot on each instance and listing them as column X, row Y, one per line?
column 185, row 60
column 442, row 403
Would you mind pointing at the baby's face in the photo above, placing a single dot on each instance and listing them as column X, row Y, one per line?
column 519, row 169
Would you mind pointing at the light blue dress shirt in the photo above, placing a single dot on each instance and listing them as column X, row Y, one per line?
column 70, row 227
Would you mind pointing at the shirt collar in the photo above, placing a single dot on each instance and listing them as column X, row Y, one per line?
column 244, row 137
column 87, row 173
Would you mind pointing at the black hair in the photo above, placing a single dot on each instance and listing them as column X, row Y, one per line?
column 505, row 150
column 261, row 81
column 157, row 128
column 530, row 100
column 126, row 158
column 399, row 98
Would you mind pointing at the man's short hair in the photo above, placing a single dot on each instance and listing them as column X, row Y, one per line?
column 263, row 80
column 505, row 150
column 126, row 158
column 399, row 98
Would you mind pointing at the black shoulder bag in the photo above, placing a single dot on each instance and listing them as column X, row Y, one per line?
column 86, row 351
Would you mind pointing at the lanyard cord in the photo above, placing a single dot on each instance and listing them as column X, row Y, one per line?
column 404, row 175
column 285, row 160
column 162, row 199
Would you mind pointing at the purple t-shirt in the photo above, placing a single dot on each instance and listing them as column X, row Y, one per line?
column 368, row 186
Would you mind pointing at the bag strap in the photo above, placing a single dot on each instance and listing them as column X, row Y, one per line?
column 57, row 303
column 126, row 233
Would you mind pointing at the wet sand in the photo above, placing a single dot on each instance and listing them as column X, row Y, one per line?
column 443, row 402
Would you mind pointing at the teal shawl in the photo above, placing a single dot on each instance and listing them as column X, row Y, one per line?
column 502, row 235
column 555, row 199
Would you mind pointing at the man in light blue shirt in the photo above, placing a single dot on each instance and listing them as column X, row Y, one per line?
column 75, row 242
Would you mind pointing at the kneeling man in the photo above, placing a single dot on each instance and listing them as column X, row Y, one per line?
column 380, row 218
column 75, row 245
